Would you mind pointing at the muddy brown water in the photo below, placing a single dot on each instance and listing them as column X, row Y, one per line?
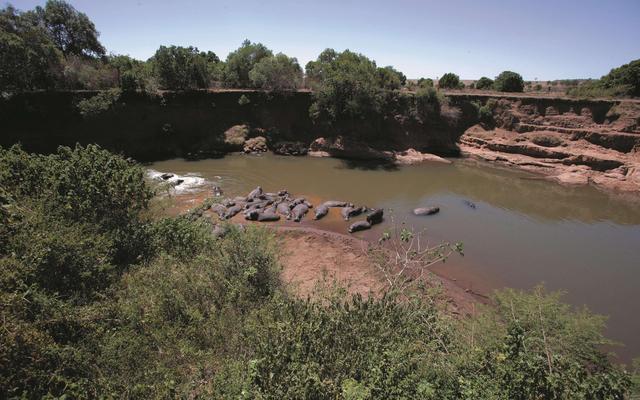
column 522, row 231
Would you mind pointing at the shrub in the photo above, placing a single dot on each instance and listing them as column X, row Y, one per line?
column 182, row 67
column 428, row 102
column 241, row 61
column 484, row 83
column 624, row 79
column 449, row 81
column 509, row 81
column 243, row 100
column 425, row 83
column 99, row 103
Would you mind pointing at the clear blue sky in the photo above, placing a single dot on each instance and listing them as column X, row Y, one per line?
column 541, row 39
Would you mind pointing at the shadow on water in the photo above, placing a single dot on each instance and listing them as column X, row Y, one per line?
column 369, row 165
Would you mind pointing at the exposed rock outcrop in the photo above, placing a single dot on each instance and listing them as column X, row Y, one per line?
column 568, row 147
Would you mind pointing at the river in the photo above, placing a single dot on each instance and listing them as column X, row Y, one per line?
column 522, row 232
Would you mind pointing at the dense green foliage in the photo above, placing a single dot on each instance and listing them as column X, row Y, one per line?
column 241, row 61
column 484, row 83
column 182, row 67
column 450, row 81
column 103, row 300
column 621, row 81
column 277, row 72
column 509, row 81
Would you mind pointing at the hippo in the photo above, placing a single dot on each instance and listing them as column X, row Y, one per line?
column 426, row 210
column 232, row 211
column 228, row 203
column 268, row 216
column 251, row 215
column 258, row 204
column 298, row 212
column 301, row 200
column 255, row 193
column 166, row 176
column 335, row 203
column 217, row 191
column 283, row 193
column 284, row 208
column 348, row 212
column 359, row 226
column 470, row 204
column 375, row 216
column 239, row 199
column 321, row 211
column 219, row 209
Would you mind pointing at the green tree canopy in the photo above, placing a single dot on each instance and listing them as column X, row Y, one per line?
column 425, row 83
column 484, row 83
column 71, row 31
column 182, row 67
column 626, row 77
column 390, row 78
column 449, row 81
column 277, row 72
column 509, row 81
column 28, row 56
column 346, row 85
column 241, row 61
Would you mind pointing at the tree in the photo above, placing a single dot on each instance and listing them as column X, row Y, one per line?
column 626, row 77
column 425, row 83
column 29, row 59
column 346, row 86
column 182, row 67
column 277, row 72
column 484, row 83
column 390, row 78
column 509, row 81
column 71, row 31
column 449, row 81
column 241, row 61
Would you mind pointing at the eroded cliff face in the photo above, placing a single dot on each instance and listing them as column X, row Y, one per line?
column 572, row 142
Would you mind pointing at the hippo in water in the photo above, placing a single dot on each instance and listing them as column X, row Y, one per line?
column 301, row 200
column 426, row 210
column 348, row 212
column 375, row 216
column 359, row 226
column 336, row 203
column 470, row 204
column 255, row 193
column 298, row 212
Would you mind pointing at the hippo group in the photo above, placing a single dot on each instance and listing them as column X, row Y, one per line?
column 263, row 206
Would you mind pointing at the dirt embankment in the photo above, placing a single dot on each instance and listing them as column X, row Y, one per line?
column 568, row 141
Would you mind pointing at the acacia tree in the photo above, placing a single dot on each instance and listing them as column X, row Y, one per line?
column 182, row 67
column 278, row 72
column 484, row 83
column 71, row 31
column 509, row 81
column 241, row 61
column 449, row 81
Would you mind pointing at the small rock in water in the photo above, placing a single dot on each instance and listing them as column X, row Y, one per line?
column 166, row 176
column 217, row 191
column 426, row 210
column 178, row 182
column 470, row 204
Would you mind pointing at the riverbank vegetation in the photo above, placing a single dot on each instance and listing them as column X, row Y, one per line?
column 56, row 47
column 102, row 297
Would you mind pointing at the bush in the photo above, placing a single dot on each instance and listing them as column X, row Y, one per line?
column 99, row 103
column 277, row 72
column 449, row 81
column 425, row 83
column 624, row 79
column 182, row 67
column 509, row 81
column 243, row 100
column 427, row 103
column 484, row 83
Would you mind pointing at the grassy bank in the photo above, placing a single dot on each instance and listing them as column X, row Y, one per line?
column 103, row 298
